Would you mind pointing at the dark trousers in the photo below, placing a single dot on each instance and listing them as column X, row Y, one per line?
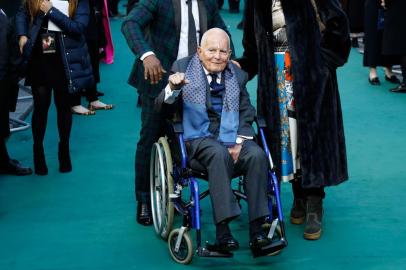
column 42, row 100
column 152, row 124
column 3, row 153
column 403, row 68
column 302, row 193
column 113, row 7
column 252, row 163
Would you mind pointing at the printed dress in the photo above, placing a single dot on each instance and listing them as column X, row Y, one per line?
column 288, row 128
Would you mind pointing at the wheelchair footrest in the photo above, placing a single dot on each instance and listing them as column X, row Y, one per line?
column 272, row 249
column 204, row 252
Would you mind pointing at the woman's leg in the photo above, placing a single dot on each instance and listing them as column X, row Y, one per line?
column 42, row 100
column 64, row 118
column 389, row 76
column 77, row 108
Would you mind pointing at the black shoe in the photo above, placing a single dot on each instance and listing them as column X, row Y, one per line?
column 226, row 243
column 314, row 215
column 144, row 215
column 392, row 79
column 258, row 241
column 374, row 81
column 14, row 167
column 40, row 166
column 401, row 88
column 65, row 164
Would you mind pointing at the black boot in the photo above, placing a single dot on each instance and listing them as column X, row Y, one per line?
column 298, row 211
column 40, row 165
column 314, row 214
column 65, row 164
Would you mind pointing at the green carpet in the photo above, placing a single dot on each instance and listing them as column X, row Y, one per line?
column 85, row 219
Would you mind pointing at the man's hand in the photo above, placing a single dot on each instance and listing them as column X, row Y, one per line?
column 21, row 43
column 153, row 69
column 177, row 80
column 235, row 151
column 45, row 6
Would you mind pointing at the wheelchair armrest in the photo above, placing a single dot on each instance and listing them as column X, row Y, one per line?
column 260, row 122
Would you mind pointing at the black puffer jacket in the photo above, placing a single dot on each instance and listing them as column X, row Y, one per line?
column 74, row 52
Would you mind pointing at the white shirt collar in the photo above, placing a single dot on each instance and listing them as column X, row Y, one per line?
column 209, row 77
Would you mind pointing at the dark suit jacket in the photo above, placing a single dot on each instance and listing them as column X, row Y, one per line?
column 246, row 113
column 154, row 25
column 9, row 61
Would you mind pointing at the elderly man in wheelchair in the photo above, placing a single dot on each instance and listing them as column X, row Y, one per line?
column 216, row 132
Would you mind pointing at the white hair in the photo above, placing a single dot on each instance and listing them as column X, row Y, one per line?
column 215, row 31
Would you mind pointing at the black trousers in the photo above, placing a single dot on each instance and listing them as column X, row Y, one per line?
column 42, row 100
column 252, row 163
column 403, row 68
column 152, row 125
column 113, row 7
column 3, row 153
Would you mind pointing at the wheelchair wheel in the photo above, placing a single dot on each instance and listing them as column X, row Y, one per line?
column 161, row 185
column 184, row 254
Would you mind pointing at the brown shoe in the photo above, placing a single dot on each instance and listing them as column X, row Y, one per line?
column 298, row 211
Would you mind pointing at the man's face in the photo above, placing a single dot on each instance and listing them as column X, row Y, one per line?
column 214, row 53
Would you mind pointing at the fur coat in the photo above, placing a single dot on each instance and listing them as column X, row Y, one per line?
column 315, row 57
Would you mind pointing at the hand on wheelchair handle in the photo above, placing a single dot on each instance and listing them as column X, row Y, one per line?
column 235, row 152
column 177, row 80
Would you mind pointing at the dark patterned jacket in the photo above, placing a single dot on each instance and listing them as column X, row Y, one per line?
column 154, row 25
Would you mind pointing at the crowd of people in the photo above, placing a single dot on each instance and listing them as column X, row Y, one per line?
column 384, row 39
column 180, row 47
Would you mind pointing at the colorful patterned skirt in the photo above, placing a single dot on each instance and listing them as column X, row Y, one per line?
column 289, row 151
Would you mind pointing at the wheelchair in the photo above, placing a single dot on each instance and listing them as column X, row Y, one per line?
column 170, row 173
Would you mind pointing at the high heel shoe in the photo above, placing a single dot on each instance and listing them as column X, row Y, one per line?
column 40, row 166
column 65, row 164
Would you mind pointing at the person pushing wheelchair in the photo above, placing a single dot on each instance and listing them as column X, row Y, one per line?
column 217, row 120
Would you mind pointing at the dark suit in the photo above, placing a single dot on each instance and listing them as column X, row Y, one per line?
column 154, row 25
column 214, row 156
column 9, row 60
column 8, row 81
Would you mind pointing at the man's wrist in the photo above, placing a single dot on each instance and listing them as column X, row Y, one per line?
column 145, row 55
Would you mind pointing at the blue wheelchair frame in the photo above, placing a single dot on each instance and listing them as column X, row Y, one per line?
column 185, row 176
